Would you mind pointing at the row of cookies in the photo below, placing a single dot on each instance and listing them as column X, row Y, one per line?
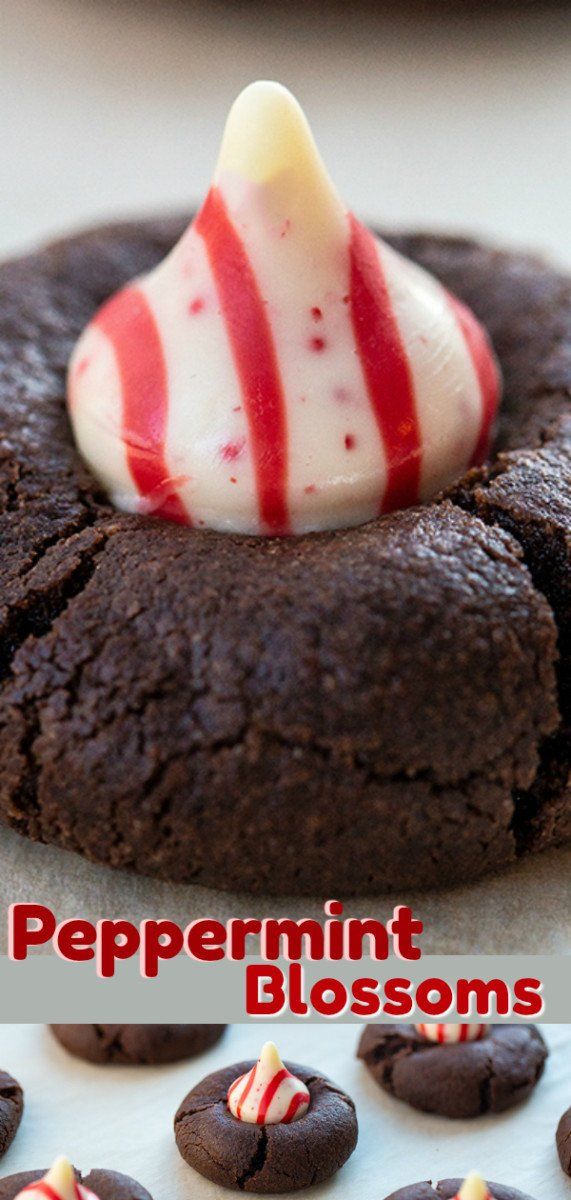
column 267, row 1127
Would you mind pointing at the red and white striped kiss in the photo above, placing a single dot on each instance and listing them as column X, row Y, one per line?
column 446, row 1034
column 59, row 1184
column 474, row 1188
column 268, row 1094
column 283, row 370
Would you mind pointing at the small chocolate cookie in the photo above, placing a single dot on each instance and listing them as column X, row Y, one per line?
column 448, row 1188
column 563, row 1141
column 265, row 1158
column 136, row 1044
column 106, row 1185
column 11, row 1109
column 465, row 1079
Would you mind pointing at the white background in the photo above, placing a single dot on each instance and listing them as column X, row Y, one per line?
column 433, row 120
column 121, row 1117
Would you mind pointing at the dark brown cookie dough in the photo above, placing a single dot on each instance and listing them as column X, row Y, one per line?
column 464, row 1079
column 11, row 1109
column 528, row 493
column 136, row 1044
column 563, row 1141
column 448, row 1188
column 265, row 1158
column 401, row 675
column 106, row 1185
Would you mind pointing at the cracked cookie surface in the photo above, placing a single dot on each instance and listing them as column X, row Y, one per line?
column 136, row 1044
column 11, row 1109
column 165, row 692
column 106, row 1185
column 460, row 1080
column 265, row 1158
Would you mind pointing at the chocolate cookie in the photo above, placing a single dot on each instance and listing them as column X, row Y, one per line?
column 465, row 1079
column 11, row 1109
column 447, row 1189
column 265, row 1158
column 134, row 1044
column 563, row 1141
column 107, row 1185
column 166, row 691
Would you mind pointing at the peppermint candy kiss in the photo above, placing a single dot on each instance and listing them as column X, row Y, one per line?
column 268, row 1094
column 474, row 1188
column 59, row 1184
column 452, row 1033
column 282, row 370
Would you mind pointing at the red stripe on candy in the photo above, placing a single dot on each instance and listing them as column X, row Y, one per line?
column 236, row 1084
column 44, row 1188
column 486, row 370
column 255, row 358
column 128, row 323
column 385, row 368
column 247, row 1089
column 269, row 1093
column 296, row 1101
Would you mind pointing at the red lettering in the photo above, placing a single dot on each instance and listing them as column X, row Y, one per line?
column 160, row 940
column 261, row 982
column 116, row 940
column 20, row 936
column 366, row 1001
column 205, row 940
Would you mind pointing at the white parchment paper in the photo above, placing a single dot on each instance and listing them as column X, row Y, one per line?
column 522, row 910
column 121, row 1117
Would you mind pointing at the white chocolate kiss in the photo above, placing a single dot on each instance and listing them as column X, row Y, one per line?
column 452, row 1033
column 268, row 1094
column 211, row 441
column 59, row 1184
column 474, row 1188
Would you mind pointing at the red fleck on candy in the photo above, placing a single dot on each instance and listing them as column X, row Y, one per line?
column 310, row 489
column 317, row 343
column 232, row 450
column 196, row 306
column 349, row 441
column 316, row 313
column 233, row 479
column 82, row 365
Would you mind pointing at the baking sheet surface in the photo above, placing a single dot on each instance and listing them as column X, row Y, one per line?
column 121, row 1117
column 523, row 910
